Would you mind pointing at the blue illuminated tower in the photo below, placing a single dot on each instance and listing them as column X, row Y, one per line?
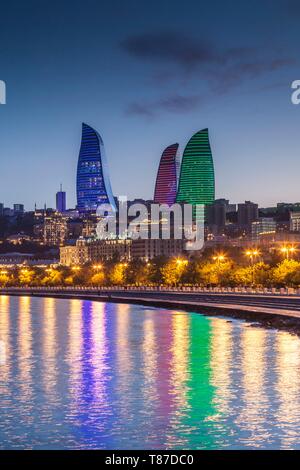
column 93, row 184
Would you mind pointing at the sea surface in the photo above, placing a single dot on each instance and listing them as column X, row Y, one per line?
column 88, row 375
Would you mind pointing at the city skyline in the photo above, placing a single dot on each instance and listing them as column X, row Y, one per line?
column 148, row 77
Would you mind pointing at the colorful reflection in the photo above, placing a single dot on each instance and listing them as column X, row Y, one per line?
column 89, row 375
column 4, row 340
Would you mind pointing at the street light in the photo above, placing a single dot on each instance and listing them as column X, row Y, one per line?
column 75, row 268
column 97, row 267
column 252, row 254
column 287, row 250
column 219, row 258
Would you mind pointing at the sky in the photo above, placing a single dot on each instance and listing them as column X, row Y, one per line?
column 146, row 75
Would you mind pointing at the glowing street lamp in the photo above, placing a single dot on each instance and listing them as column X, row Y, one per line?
column 75, row 268
column 97, row 267
column 219, row 258
column 252, row 255
column 287, row 250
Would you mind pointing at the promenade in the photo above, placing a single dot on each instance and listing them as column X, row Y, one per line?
column 274, row 305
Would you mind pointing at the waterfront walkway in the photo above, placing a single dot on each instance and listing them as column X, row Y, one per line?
column 283, row 302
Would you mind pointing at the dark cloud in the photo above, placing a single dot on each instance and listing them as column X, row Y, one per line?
column 239, row 72
column 169, row 46
column 179, row 58
column 231, row 65
column 172, row 103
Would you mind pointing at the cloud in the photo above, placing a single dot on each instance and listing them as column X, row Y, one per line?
column 179, row 58
column 173, row 103
column 189, row 55
column 169, row 46
column 237, row 73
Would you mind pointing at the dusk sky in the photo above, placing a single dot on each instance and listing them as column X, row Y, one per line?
column 146, row 75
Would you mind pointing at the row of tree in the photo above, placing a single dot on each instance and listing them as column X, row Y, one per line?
column 173, row 272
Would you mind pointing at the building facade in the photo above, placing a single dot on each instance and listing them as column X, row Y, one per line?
column 92, row 251
column 263, row 228
column 295, row 221
column 247, row 213
column 197, row 178
column 166, row 180
column 61, row 202
column 57, row 229
column 93, row 184
column 150, row 248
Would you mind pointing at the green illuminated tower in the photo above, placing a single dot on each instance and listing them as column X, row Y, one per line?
column 197, row 177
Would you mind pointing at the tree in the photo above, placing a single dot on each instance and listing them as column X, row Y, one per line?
column 258, row 274
column 173, row 271
column 118, row 274
column 286, row 272
column 53, row 277
column 5, row 278
column 26, row 277
column 214, row 273
column 139, row 272
column 98, row 279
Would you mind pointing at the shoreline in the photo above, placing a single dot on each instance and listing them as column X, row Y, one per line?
column 281, row 320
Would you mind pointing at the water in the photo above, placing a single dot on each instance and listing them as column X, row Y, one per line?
column 78, row 374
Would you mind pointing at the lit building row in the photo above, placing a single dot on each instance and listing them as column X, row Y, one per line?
column 88, row 250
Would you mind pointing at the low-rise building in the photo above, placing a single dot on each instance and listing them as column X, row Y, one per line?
column 150, row 248
column 91, row 251
column 295, row 221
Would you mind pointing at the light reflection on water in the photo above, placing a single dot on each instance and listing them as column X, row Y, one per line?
column 79, row 374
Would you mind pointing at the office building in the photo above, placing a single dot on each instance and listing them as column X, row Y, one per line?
column 166, row 180
column 93, row 184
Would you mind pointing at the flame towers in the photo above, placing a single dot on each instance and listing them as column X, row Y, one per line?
column 93, row 184
column 166, row 181
column 197, row 181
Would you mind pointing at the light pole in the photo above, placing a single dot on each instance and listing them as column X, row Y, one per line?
column 219, row 258
column 252, row 254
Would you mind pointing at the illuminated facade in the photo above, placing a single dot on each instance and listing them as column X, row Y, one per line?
column 166, row 181
column 91, row 250
column 197, row 179
column 93, row 184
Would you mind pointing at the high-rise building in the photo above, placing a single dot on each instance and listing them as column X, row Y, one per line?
column 166, row 180
column 218, row 213
column 18, row 209
column 93, row 184
column 197, row 179
column 1, row 209
column 61, row 205
column 247, row 213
